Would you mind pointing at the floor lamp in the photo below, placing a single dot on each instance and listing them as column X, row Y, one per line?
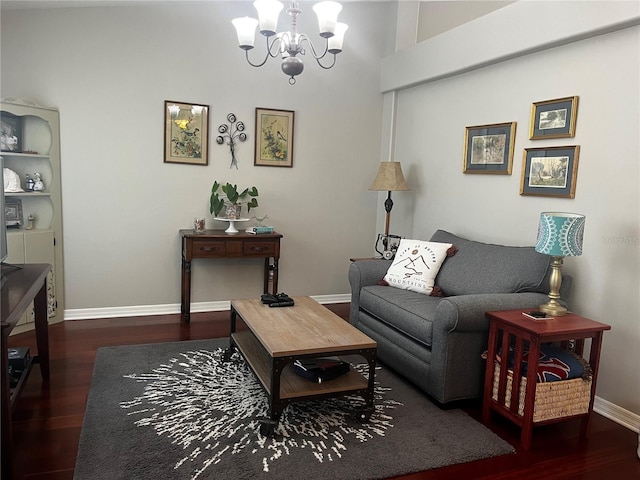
column 389, row 179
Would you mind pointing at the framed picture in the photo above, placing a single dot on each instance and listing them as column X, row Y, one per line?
column 274, row 137
column 186, row 133
column 13, row 212
column 554, row 118
column 489, row 148
column 10, row 133
column 550, row 172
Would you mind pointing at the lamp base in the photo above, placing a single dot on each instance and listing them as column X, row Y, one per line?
column 553, row 308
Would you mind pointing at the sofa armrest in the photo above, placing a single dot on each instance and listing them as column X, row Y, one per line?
column 460, row 332
column 466, row 313
column 361, row 274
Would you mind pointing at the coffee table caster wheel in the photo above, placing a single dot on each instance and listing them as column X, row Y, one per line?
column 267, row 427
column 362, row 415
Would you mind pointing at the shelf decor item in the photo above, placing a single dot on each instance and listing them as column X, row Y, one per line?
column 186, row 133
column 13, row 212
column 489, row 148
column 554, row 118
column 274, row 137
column 550, row 171
column 231, row 134
column 10, row 133
column 559, row 235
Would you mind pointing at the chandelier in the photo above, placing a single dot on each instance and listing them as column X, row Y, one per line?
column 291, row 44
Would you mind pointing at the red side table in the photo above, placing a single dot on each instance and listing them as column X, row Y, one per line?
column 512, row 328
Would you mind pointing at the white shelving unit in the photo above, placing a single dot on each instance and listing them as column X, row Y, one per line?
column 38, row 131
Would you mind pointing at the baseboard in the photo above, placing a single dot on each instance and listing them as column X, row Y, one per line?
column 170, row 308
column 607, row 409
column 617, row 414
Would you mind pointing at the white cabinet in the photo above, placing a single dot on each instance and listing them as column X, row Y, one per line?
column 30, row 142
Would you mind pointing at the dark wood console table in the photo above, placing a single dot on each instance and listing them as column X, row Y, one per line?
column 23, row 285
column 218, row 244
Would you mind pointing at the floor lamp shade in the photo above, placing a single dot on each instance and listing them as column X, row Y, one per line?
column 559, row 235
column 389, row 179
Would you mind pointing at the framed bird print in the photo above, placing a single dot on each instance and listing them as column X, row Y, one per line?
column 186, row 133
column 274, row 137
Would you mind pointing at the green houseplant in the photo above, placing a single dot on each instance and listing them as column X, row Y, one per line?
column 229, row 194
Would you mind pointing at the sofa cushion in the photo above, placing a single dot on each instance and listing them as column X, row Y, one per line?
column 487, row 268
column 416, row 265
column 405, row 311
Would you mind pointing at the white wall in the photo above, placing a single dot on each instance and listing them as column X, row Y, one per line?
column 604, row 72
column 110, row 69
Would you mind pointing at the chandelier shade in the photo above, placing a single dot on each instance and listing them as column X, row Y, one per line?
column 245, row 29
column 327, row 13
column 291, row 44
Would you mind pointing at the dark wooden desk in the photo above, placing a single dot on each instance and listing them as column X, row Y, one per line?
column 218, row 244
column 510, row 327
column 22, row 286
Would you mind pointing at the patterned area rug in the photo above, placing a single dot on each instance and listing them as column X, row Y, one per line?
column 180, row 411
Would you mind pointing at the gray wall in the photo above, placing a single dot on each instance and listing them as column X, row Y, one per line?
column 500, row 87
column 109, row 70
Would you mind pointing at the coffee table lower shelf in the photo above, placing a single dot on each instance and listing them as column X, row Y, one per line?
column 283, row 385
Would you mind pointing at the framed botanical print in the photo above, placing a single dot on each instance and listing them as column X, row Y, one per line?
column 186, row 133
column 550, row 172
column 489, row 148
column 554, row 118
column 274, row 137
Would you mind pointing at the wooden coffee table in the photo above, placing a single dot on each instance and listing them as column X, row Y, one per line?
column 278, row 336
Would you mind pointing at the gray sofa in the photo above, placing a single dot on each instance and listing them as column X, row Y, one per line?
column 437, row 342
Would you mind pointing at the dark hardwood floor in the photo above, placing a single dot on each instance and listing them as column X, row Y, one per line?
column 48, row 418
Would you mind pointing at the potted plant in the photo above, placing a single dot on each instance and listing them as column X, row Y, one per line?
column 232, row 198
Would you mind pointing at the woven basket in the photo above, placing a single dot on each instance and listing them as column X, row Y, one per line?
column 553, row 399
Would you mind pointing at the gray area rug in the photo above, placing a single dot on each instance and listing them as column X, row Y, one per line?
column 179, row 411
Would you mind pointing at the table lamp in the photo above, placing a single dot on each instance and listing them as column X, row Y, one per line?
column 389, row 179
column 559, row 235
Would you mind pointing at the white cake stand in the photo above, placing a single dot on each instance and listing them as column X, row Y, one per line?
column 232, row 228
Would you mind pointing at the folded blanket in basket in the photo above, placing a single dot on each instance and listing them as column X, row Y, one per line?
column 554, row 364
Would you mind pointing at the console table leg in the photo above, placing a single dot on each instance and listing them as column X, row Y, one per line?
column 185, row 304
column 42, row 330
column 7, row 465
column 275, row 275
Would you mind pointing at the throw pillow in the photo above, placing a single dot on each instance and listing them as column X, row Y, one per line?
column 416, row 265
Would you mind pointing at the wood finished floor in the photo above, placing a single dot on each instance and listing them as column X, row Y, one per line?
column 48, row 419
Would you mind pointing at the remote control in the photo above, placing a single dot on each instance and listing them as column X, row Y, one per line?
column 284, row 303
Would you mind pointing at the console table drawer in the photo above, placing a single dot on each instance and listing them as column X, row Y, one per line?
column 261, row 248
column 207, row 248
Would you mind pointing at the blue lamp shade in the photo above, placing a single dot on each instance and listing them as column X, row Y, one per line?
column 560, row 234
